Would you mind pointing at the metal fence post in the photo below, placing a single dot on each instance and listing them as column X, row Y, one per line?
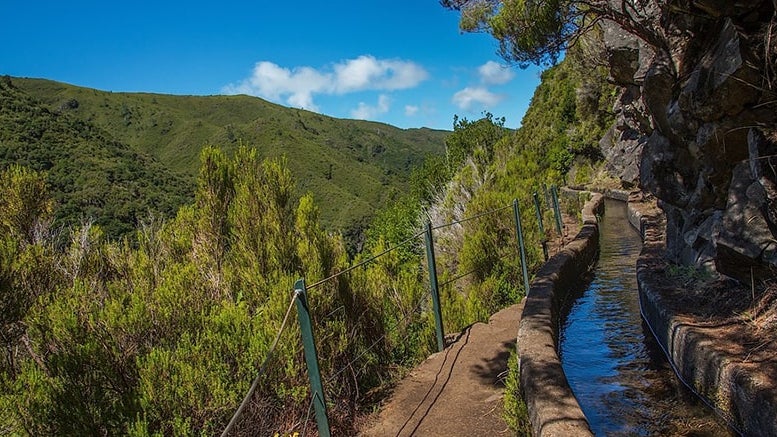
column 311, row 358
column 543, row 241
column 556, row 208
column 521, row 247
column 433, row 284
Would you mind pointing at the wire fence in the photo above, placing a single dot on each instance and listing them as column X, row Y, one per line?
column 474, row 217
column 402, row 322
column 255, row 384
column 365, row 262
column 470, row 272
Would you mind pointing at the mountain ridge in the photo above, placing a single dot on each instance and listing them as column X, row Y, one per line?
column 351, row 167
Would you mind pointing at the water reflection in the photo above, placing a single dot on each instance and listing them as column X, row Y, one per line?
column 616, row 370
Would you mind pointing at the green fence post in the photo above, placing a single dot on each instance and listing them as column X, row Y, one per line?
column 544, row 242
column 556, row 208
column 311, row 358
column 433, row 284
column 521, row 247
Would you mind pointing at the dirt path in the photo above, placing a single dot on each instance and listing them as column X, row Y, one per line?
column 460, row 391
column 456, row 392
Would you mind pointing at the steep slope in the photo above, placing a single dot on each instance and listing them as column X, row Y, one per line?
column 351, row 167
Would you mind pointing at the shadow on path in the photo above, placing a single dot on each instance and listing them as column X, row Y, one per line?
column 456, row 392
column 431, row 404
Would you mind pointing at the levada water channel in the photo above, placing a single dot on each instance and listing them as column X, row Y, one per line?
column 617, row 371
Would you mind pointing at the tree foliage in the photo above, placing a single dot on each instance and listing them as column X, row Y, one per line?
column 538, row 31
column 25, row 209
column 162, row 332
column 88, row 175
column 469, row 136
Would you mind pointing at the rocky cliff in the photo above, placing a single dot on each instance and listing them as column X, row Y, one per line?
column 696, row 126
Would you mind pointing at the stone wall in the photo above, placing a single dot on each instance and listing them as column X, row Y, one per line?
column 553, row 408
column 739, row 391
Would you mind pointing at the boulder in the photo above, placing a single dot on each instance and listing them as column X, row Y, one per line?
column 622, row 144
column 762, row 161
column 662, row 173
column 745, row 240
column 657, row 93
column 722, row 84
column 622, row 50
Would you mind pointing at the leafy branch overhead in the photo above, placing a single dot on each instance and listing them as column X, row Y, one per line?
column 538, row 31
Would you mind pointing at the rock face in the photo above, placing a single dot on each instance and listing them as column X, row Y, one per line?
column 696, row 125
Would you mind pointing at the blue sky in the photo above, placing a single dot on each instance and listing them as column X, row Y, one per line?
column 403, row 62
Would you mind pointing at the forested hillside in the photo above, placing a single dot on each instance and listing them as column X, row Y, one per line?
column 90, row 175
column 351, row 167
column 161, row 332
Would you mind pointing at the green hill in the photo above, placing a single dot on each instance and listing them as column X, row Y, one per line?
column 90, row 175
column 351, row 167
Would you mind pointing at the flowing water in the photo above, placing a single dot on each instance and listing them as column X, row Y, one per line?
column 614, row 366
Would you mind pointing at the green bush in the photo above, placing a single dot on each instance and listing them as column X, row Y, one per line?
column 163, row 332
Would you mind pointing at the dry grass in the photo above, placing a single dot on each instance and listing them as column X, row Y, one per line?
column 745, row 317
column 761, row 317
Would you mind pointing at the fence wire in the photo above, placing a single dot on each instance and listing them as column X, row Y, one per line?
column 365, row 262
column 404, row 320
column 255, row 384
column 307, row 416
column 463, row 275
column 466, row 219
column 401, row 323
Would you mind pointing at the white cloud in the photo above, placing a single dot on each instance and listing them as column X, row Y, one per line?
column 469, row 96
column 492, row 73
column 369, row 73
column 357, row 74
column 411, row 110
column 298, row 86
column 367, row 112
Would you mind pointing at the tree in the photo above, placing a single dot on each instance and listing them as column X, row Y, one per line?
column 537, row 31
column 26, row 267
column 25, row 208
column 469, row 136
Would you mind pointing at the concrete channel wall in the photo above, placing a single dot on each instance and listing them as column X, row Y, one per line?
column 553, row 408
column 718, row 378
